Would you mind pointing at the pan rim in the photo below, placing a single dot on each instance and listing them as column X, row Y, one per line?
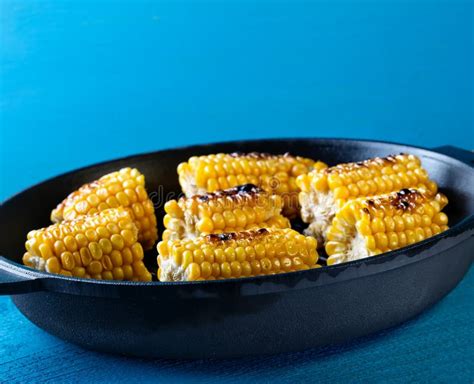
column 186, row 147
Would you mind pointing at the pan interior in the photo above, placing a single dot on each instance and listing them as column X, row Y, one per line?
column 31, row 209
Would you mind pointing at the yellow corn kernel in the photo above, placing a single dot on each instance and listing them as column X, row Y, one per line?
column 440, row 218
column 377, row 225
column 239, row 208
column 382, row 240
column 274, row 173
column 398, row 226
column 76, row 251
column 370, row 243
column 237, row 254
column 324, row 192
column 53, row 265
column 124, row 188
column 193, row 272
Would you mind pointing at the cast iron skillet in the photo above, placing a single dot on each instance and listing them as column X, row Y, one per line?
column 239, row 317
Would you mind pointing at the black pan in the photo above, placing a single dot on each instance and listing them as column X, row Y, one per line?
column 259, row 315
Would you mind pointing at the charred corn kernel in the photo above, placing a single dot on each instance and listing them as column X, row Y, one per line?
column 236, row 254
column 239, row 208
column 49, row 248
column 273, row 173
column 124, row 188
column 354, row 239
column 324, row 192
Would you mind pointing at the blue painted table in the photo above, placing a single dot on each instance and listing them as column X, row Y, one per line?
column 84, row 82
column 436, row 347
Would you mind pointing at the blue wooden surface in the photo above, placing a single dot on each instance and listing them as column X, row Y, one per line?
column 436, row 347
column 87, row 81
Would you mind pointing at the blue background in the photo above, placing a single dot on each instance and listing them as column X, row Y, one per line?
column 87, row 81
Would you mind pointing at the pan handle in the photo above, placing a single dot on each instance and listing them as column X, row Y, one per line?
column 14, row 282
column 458, row 153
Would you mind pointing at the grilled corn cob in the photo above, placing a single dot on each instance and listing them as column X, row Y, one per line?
column 231, row 255
column 124, row 188
column 274, row 173
column 230, row 210
column 367, row 227
column 324, row 192
column 100, row 246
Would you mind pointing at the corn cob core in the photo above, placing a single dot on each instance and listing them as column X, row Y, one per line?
column 274, row 173
column 232, row 255
column 101, row 246
column 368, row 227
column 324, row 192
column 124, row 188
column 231, row 210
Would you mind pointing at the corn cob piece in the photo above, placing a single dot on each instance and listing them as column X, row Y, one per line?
column 230, row 210
column 324, row 192
column 124, row 188
column 101, row 246
column 367, row 227
column 232, row 255
column 274, row 173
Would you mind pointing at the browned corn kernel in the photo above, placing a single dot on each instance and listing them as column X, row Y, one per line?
column 124, row 188
column 367, row 227
column 232, row 255
column 104, row 245
column 230, row 210
column 274, row 173
column 324, row 192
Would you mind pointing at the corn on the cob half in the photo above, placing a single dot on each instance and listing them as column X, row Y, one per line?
column 324, row 192
column 100, row 246
column 124, row 188
column 232, row 255
column 274, row 173
column 367, row 227
column 230, row 210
